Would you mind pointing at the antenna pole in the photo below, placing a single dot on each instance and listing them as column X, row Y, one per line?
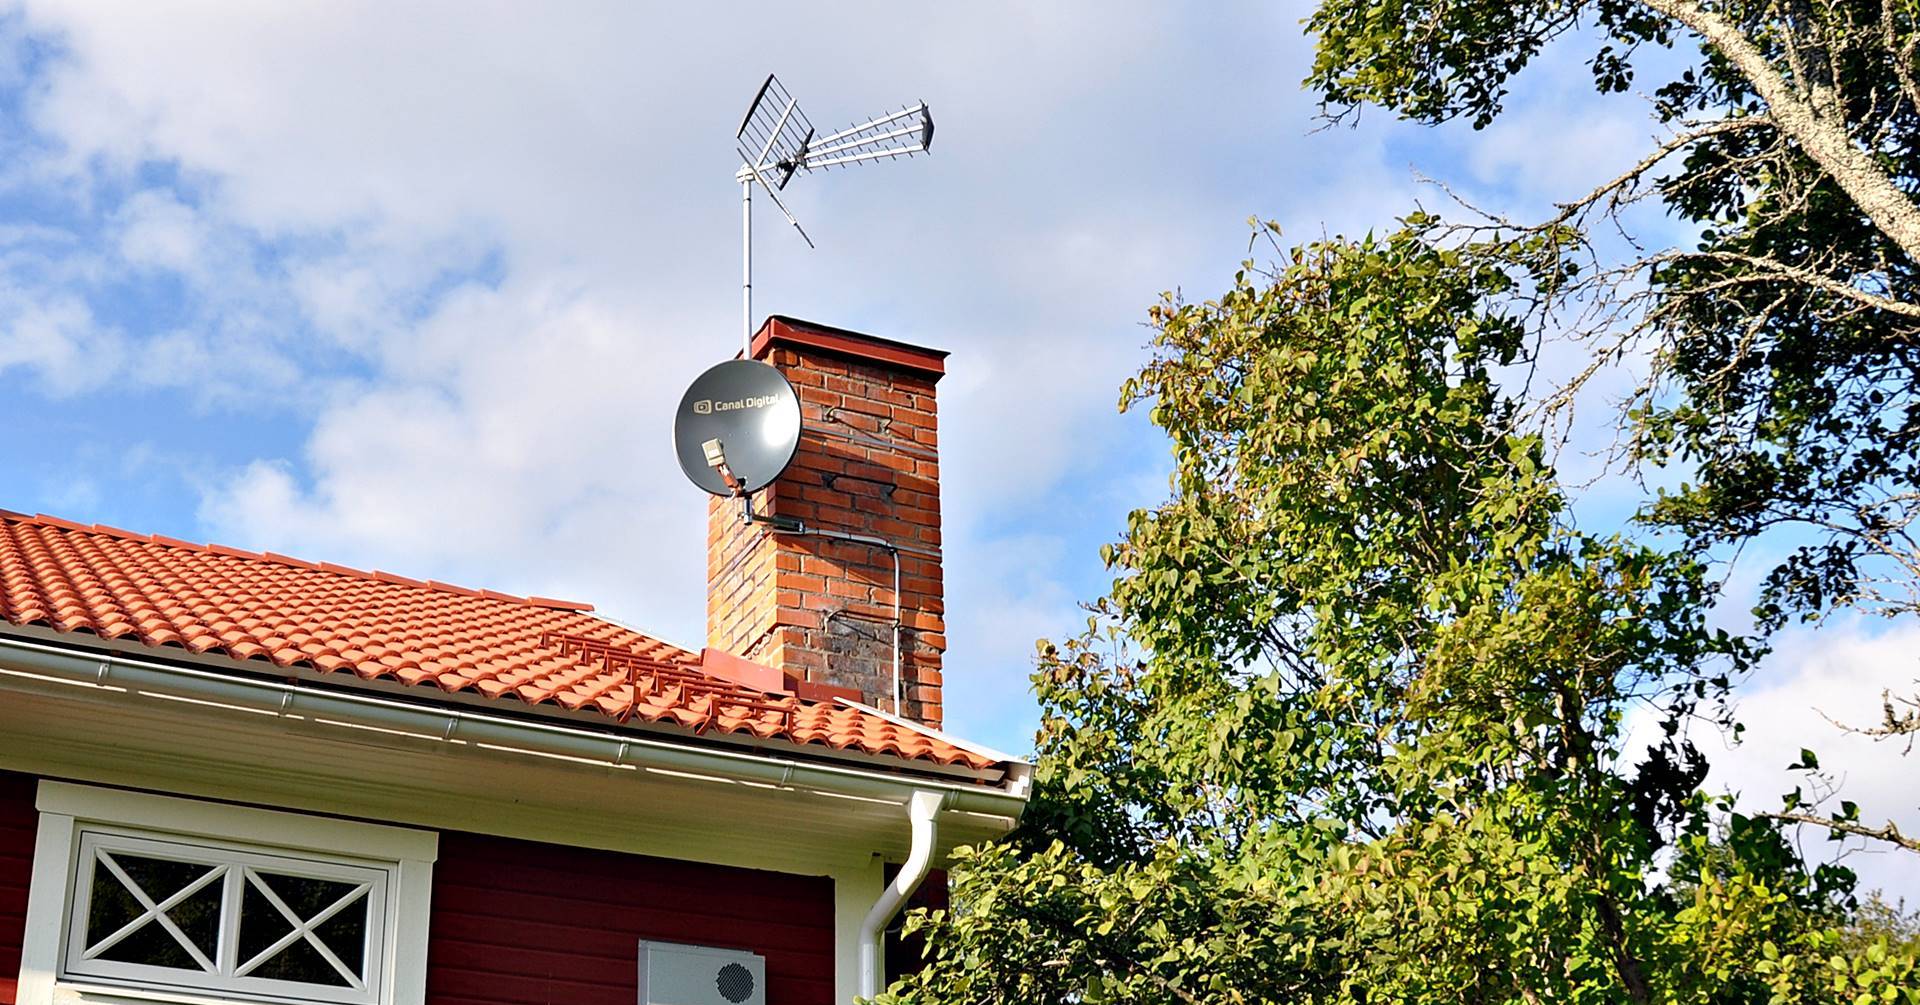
column 746, row 267
column 776, row 141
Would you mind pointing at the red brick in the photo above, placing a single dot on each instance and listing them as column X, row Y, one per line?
column 848, row 589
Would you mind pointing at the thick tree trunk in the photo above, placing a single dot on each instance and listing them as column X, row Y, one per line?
column 1823, row 137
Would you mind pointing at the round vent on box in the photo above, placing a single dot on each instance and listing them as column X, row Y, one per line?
column 735, row 982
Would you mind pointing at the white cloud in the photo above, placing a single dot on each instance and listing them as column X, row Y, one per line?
column 1817, row 680
column 1814, row 679
column 478, row 250
column 525, row 452
column 1582, row 151
column 158, row 231
column 58, row 339
column 350, row 169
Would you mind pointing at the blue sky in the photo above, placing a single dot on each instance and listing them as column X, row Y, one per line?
column 417, row 291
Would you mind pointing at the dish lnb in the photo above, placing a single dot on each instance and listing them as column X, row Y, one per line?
column 672, row 973
column 737, row 428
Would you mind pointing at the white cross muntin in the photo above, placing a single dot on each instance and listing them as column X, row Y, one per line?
column 303, row 928
column 156, row 911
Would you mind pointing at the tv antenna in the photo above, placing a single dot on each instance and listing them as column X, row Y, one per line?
column 776, row 142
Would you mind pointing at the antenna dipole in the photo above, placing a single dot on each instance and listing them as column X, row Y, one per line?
column 775, row 142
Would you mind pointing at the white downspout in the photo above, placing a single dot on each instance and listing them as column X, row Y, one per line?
column 921, row 810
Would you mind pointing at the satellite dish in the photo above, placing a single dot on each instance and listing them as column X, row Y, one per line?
column 737, row 428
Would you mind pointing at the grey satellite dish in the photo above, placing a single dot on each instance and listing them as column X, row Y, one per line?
column 737, row 428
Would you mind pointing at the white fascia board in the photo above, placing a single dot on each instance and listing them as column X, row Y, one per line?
column 450, row 702
column 26, row 663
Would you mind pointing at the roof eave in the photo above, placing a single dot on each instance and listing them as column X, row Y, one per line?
column 56, row 658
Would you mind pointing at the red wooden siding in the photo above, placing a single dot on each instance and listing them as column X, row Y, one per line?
column 523, row 923
column 18, row 821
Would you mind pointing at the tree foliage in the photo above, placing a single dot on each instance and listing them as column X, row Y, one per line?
column 1350, row 726
column 1366, row 717
column 1788, row 336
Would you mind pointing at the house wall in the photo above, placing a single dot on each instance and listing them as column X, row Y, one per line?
column 18, row 822
column 519, row 922
column 524, row 923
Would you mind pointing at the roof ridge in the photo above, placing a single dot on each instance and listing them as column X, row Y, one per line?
column 274, row 558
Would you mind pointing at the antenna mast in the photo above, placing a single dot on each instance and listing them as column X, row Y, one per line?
column 775, row 141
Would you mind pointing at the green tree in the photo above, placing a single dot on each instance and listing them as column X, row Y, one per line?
column 1787, row 338
column 1349, row 727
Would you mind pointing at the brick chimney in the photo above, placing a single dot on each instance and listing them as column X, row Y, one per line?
column 821, row 608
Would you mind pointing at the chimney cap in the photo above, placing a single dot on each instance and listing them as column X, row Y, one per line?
column 780, row 328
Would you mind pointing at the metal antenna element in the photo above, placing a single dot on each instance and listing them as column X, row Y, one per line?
column 775, row 142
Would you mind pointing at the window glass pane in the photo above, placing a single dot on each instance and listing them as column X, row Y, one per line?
column 346, row 935
column 198, row 917
column 152, row 945
column 110, row 906
column 261, row 924
column 114, row 906
column 159, row 877
column 307, row 897
column 300, row 962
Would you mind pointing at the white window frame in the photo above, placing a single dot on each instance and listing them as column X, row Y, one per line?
column 74, row 817
column 233, row 861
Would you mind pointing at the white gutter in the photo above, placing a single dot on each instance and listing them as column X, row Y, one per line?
column 922, row 811
column 59, row 670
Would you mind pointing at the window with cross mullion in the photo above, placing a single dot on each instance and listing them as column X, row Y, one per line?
column 225, row 918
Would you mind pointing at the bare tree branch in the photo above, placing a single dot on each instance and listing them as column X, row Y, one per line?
column 1607, row 190
column 1895, row 721
column 1771, row 270
column 1890, row 833
column 1901, row 54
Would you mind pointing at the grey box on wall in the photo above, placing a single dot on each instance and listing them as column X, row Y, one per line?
column 673, row 973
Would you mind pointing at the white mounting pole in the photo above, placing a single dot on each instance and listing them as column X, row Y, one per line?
column 746, row 267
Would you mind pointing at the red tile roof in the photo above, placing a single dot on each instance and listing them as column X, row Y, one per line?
column 267, row 608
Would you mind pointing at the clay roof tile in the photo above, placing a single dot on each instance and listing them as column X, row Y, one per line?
column 265, row 607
